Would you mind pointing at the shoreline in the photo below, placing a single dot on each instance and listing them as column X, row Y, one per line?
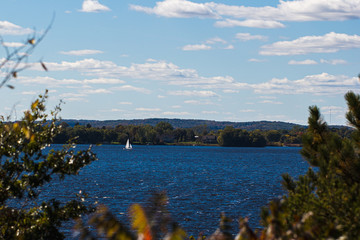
column 201, row 144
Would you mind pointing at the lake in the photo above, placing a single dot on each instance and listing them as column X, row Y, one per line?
column 201, row 182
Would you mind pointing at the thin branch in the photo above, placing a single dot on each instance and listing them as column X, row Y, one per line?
column 17, row 58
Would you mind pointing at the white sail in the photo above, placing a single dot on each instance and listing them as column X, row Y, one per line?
column 128, row 145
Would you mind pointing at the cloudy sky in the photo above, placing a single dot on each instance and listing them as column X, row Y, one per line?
column 219, row 60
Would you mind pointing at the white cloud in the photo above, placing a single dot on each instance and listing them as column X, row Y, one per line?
column 171, row 74
column 93, row 6
column 333, row 61
column 329, row 43
column 229, row 47
column 132, row 88
column 263, row 17
column 216, row 40
column 212, row 43
column 313, row 62
column 103, row 81
column 254, row 23
column 96, row 91
column 178, row 9
column 320, row 84
column 230, row 91
column 125, row 103
column 267, row 97
column 300, row 10
column 256, row 60
column 304, row 62
column 72, row 95
column 197, row 102
column 175, row 113
column 209, row 112
column 247, row 110
column 248, row 37
column 8, row 28
column 28, row 93
column 273, row 117
column 117, row 110
column 193, row 93
column 79, row 96
column 196, row 47
column 271, row 102
column 333, row 110
column 148, row 109
column 49, row 81
column 75, row 99
column 166, row 72
column 12, row 44
column 82, row 52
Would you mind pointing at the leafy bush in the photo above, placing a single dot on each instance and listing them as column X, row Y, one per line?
column 26, row 166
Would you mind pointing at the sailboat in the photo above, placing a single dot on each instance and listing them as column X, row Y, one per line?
column 128, row 145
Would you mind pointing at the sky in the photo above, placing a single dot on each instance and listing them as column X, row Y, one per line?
column 244, row 60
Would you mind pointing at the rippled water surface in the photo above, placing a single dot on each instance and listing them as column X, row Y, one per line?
column 201, row 182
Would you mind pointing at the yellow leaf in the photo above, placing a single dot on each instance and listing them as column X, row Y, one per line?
column 34, row 104
column 31, row 41
column 27, row 133
column 140, row 221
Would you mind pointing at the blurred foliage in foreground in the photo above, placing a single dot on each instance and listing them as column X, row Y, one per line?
column 26, row 166
column 322, row 204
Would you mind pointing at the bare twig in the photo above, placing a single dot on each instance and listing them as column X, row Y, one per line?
column 14, row 58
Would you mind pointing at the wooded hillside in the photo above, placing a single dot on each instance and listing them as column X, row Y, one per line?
column 188, row 123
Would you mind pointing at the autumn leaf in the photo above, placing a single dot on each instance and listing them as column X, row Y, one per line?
column 34, row 104
column 140, row 221
column 31, row 41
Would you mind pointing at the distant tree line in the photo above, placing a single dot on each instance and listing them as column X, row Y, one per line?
column 165, row 133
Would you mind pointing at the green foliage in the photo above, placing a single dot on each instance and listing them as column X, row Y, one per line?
column 26, row 166
column 273, row 136
column 325, row 202
column 164, row 133
column 198, row 126
column 231, row 137
column 146, row 134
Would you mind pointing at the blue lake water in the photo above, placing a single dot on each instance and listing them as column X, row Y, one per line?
column 201, row 182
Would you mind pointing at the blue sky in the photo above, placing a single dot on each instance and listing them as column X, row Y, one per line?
column 217, row 60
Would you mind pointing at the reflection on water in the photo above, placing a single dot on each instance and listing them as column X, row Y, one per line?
column 200, row 182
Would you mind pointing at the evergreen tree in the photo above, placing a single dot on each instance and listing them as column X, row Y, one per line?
column 325, row 202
